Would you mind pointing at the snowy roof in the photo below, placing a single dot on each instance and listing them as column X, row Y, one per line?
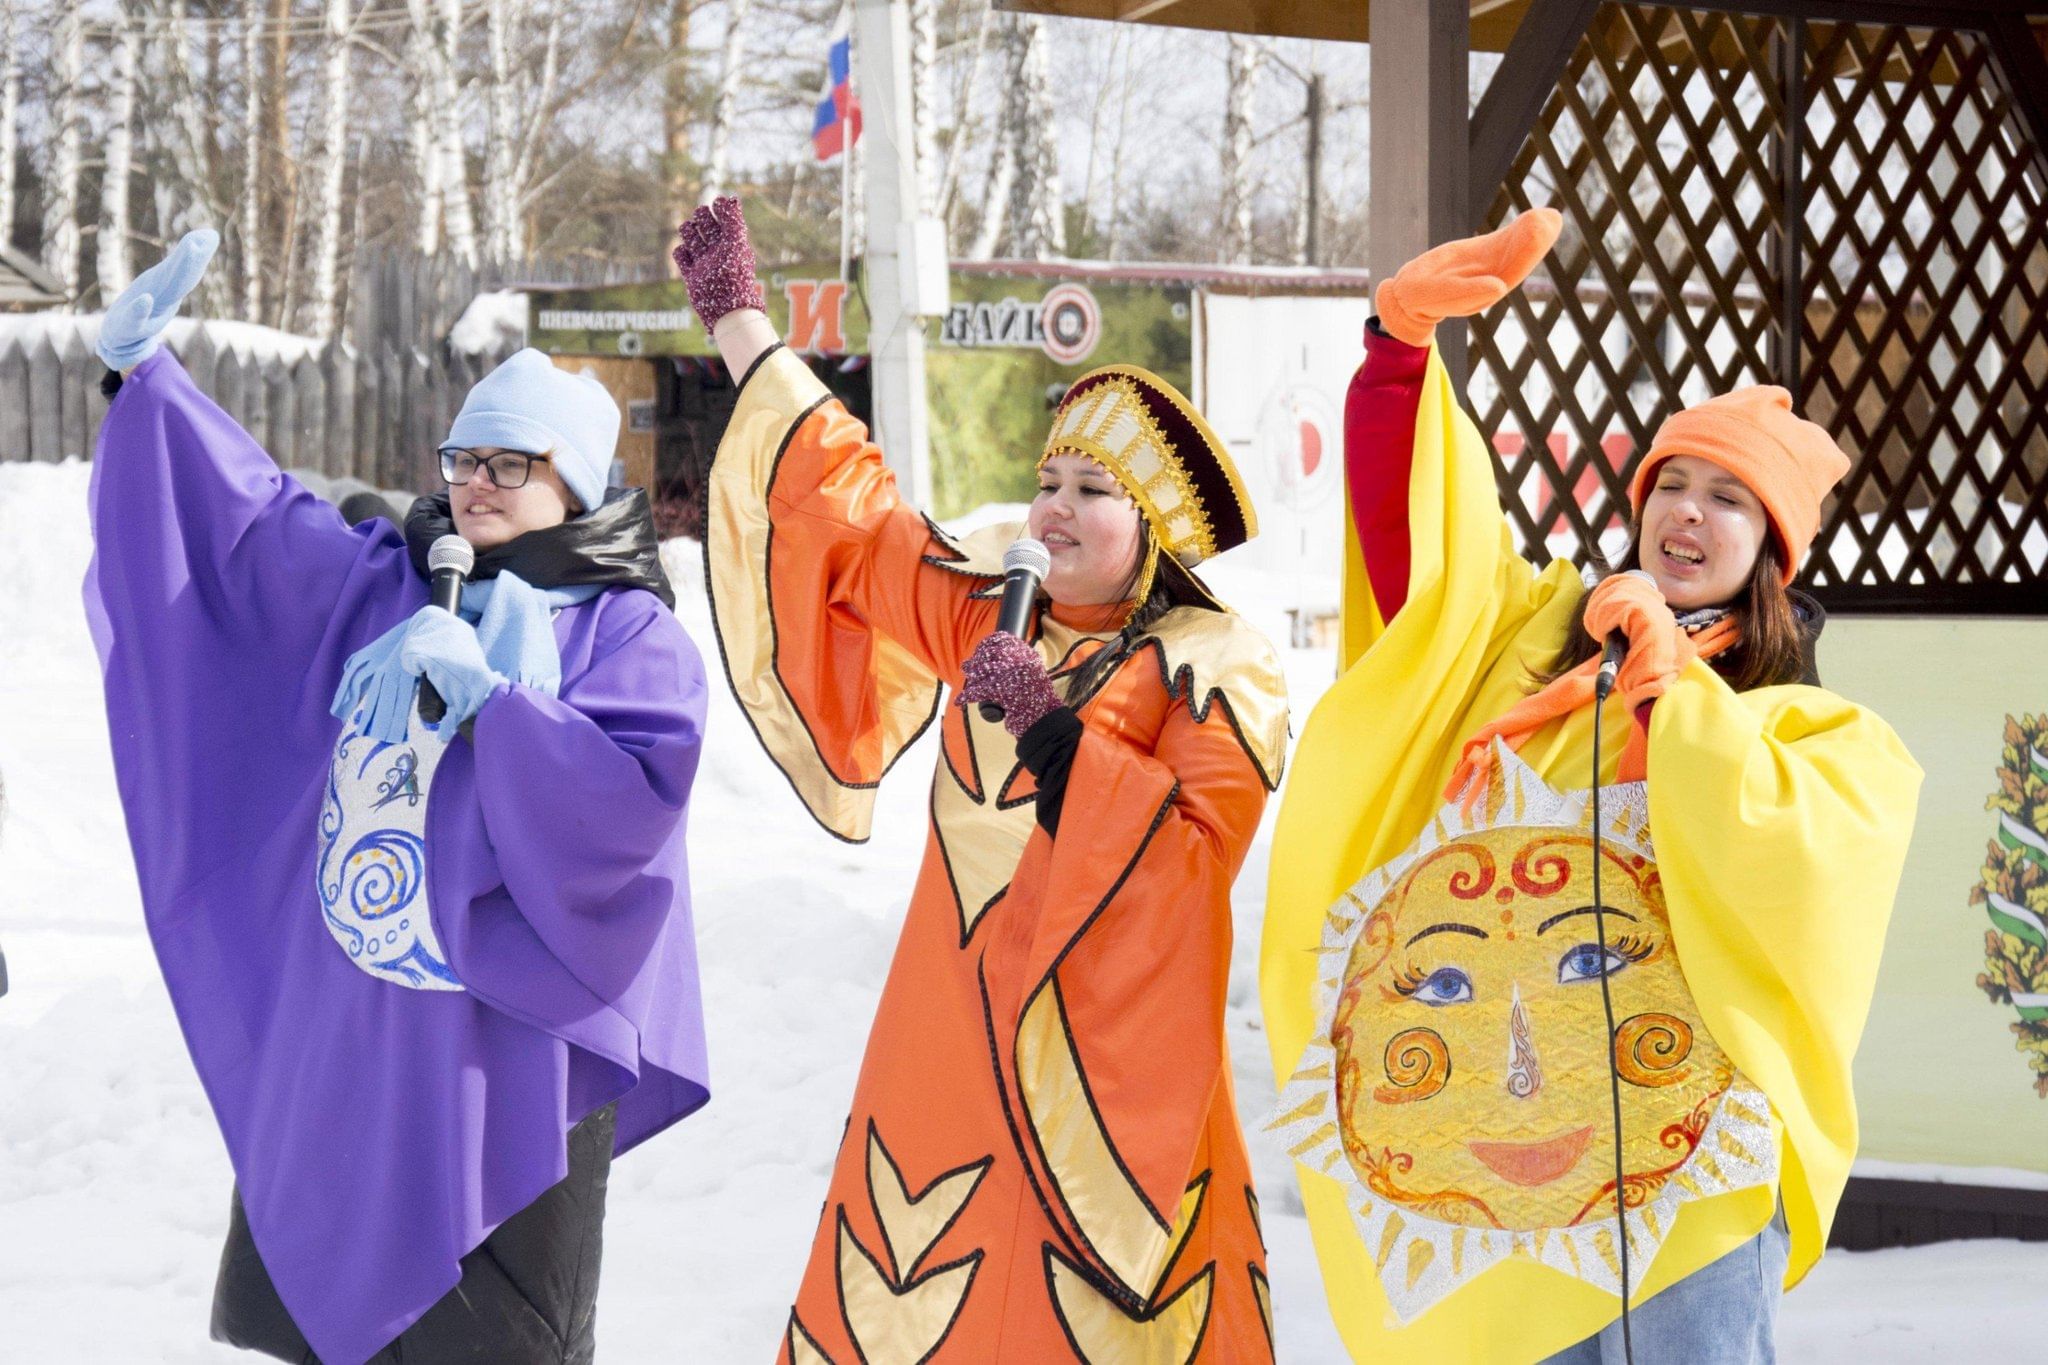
column 25, row 284
column 82, row 330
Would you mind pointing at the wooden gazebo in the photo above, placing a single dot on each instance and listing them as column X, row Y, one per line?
column 1847, row 197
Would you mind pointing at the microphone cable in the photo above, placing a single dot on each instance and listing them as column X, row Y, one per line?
column 1601, row 687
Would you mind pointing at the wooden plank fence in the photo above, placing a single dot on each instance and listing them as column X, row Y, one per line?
column 375, row 415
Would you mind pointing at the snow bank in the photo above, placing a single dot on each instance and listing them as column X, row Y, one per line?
column 494, row 321
column 114, row 1186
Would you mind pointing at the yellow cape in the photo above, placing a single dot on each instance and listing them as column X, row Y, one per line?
column 1780, row 817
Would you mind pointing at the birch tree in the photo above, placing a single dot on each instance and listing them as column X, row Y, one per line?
column 252, row 160
column 330, row 170
column 420, row 130
column 675, row 105
column 995, row 199
column 61, row 236
column 725, row 108
column 114, row 269
column 175, row 123
column 1241, row 67
column 10, row 112
column 519, row 106
column 1037, row 214
column 963, row 101
column 457, row 219
column 447, row 222
column 924, row 98
column 502, row 22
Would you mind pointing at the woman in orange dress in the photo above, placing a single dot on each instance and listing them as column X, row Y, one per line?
column 1043, row 1161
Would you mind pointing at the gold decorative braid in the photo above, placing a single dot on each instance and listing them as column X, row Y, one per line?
column 1135, row 1244
column 1207, row 655
column 1110, row 425
column 894, row 1324
column 737, row 532
column 911, row 1223
column 803, row 1347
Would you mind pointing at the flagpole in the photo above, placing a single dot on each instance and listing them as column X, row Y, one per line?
column 846, row 156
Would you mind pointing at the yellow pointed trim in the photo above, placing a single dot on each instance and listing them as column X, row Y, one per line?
column 912, row 1223
column 892, row 1326
column 803, row 1347
column 778, row 398
column 1263, row 1292
column 1206, row 656
column 1102, row 1332
column 1111, row 1213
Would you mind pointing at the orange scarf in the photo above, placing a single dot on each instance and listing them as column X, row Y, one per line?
column 1567, row 693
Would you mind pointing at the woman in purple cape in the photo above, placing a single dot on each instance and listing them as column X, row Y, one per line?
column 433, row 977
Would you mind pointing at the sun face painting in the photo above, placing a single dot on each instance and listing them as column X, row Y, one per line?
column 1461, row 1089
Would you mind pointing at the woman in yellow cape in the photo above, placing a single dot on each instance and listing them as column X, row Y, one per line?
column 1433, row 971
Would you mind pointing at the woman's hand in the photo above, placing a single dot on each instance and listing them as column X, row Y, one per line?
column 717, row 261
column 717, row 265
column 1006, row 671
column 1657, row 646
column 1459, row 279
column 443, row 649
column 134, row 324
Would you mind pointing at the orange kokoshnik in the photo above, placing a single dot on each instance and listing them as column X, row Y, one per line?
column 1043, row 1159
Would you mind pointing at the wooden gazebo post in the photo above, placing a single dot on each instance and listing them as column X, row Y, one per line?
column 1420, row 149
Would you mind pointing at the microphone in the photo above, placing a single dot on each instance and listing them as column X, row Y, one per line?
column 1617, row 649
column 1025, row 565
column 449, row 561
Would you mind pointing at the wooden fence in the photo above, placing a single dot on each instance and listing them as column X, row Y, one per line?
column 375, row 415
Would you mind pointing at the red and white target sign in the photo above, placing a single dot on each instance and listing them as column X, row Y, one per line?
column 1298, row 444
column 1070, row 322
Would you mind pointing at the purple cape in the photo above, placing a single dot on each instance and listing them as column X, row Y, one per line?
column 379, row 1133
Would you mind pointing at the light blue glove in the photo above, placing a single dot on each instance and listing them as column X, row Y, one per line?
column 444, row 650
column 135, row 321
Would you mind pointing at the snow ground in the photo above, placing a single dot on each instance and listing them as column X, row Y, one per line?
column 113, row 1183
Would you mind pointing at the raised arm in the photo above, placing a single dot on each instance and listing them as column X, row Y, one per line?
column 1458, row 279
column 219, row 586
column 839, row 607
column 716, row 260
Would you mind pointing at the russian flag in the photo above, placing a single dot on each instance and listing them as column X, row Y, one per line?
column 836, row 126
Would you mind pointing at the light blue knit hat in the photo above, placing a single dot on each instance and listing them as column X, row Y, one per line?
column 530, row 404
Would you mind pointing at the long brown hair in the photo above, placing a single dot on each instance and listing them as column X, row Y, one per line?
column 1172, row 586
column 1771, row 649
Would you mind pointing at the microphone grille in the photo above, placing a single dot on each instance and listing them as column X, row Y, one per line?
column 1026, row 553
column 450, row 552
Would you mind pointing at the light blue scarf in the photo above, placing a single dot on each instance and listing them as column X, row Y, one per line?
column 515, row 625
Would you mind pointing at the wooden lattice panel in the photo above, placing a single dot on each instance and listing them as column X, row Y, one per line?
column 1888, row 263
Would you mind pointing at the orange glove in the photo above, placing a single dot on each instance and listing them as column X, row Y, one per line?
column 1657, row 647
column 1459, row 279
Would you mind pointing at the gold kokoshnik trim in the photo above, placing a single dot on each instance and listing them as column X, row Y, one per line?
column 1108, row 416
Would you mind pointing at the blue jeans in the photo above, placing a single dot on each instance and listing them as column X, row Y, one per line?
column 1724, row 1313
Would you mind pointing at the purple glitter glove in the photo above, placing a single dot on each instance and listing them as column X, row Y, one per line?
column 1006, row 671
column 717, row 261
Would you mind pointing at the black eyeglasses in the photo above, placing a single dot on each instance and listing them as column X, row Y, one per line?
column 508, row 468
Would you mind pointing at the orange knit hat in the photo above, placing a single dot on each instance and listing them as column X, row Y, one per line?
column 1787, row 461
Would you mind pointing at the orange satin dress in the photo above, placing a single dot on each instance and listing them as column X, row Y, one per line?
column 1043, row 1161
